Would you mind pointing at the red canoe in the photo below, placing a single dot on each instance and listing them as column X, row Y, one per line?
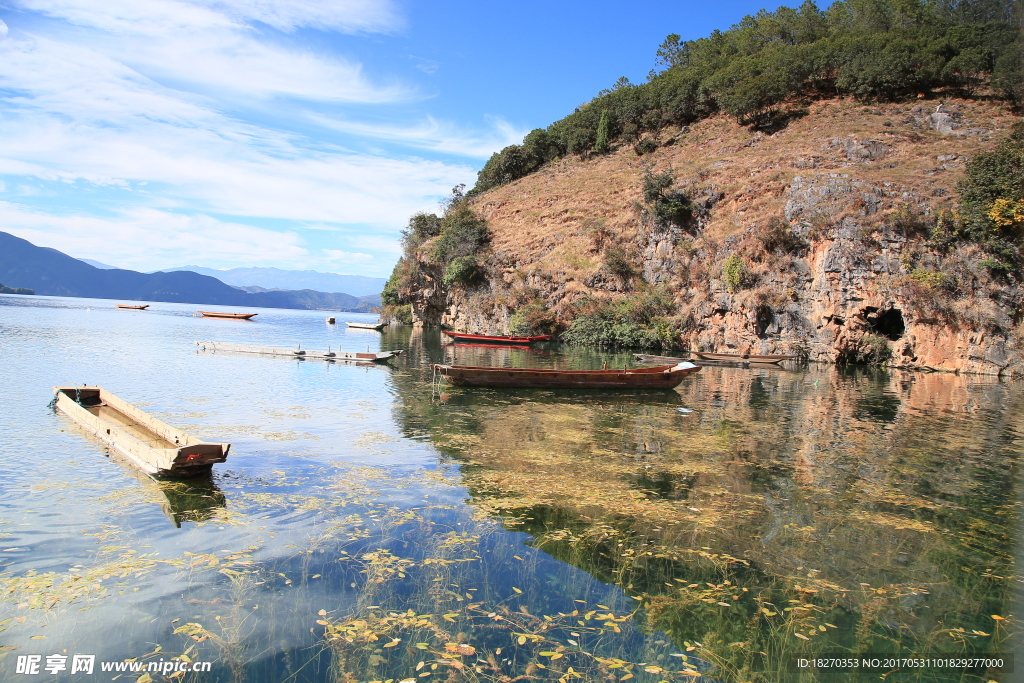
column 489, row 339
column 664, row 377
column 233, row 316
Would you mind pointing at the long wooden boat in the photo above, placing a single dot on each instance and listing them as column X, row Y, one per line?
column 496, row 339
column 367, row 326
column 663, row 377
column 350, row 356
column 233, row 316
column 134, row 308
column 151, row 445
column 752, row 357
column 661, row 360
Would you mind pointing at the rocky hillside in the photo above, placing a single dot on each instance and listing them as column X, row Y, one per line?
column 822, row 238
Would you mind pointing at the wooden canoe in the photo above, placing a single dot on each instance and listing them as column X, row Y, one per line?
column 233, row 316
column 661, row 360
column 350, row 356
column 663, row 377
column 367, row 326
column 752, row 357
column 134, row 308
column 151, row 445
column 496, row 339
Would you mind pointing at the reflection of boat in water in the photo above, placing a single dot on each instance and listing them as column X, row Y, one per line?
column 367, row 326
column 518, row 347
column 193, row 500
column 349, row 356
column 495, row 339
column 153, row 446
column 232, row 316
column 134, row 308
column 662, row 377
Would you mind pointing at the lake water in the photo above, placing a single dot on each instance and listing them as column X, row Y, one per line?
column 370, row 525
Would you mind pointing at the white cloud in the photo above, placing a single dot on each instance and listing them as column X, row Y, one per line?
column 122, row 105
column 212, row 45
column 346, row 256
column 434, row 135
column 168, row 237
column 157, row 17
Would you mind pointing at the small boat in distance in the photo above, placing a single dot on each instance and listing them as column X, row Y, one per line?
column 233, row 316
column 151, row 445
column 662, row 377
column 134, row 308
column 496, row 339
column 353, row 356
column 367, row 326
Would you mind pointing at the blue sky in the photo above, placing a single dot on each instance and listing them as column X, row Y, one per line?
column 288, row 133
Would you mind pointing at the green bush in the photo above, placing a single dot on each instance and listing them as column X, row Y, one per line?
column 873, row 350
column 733, row 271
column 531, row 319
column 463, row 233
column 668, row 206
column 462, row 270
column 620, row 261
column 638, row 320
column 601, row 145
column 645, row 146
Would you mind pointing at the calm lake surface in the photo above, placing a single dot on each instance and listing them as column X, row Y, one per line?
column 372, row 526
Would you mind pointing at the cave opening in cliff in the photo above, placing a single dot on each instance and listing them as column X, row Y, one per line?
column 889, row 324
column 764, row 319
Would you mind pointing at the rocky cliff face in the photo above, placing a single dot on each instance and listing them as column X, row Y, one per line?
column 813, row 240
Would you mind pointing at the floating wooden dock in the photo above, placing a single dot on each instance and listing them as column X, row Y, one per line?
column 345, row 356
column 151, row 445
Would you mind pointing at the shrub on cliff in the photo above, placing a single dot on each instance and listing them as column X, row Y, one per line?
column 462, row 270
column 992, row 193
column 531, row 319
column 671, row 207
column 462, row 233
column 640, row 320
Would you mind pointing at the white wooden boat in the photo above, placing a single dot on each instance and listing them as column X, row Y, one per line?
column 349, row 356
column 367, row 326
column 151, row 445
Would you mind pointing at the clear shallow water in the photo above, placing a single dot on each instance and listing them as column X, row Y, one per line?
column 883, row 505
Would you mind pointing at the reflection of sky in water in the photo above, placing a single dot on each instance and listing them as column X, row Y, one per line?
column 302, row 434
column 330, row 462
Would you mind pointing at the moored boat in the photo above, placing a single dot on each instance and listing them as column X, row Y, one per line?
column 496, row 339
column 661, row 360
column 232, row 316
column 151, row 445
column 752, row 357
column 662, row 377
column 351, row 356
column 134, row 308
column 367, row 326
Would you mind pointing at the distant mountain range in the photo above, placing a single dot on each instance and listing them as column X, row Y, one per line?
column 54, row 273
column 276, row 278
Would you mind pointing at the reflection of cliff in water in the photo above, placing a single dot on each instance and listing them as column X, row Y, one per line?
column 837, row 482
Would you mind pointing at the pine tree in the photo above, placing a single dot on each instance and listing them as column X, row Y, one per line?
column 601, row 145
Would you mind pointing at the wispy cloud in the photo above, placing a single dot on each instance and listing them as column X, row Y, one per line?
column 136, row 114
column 434, row 135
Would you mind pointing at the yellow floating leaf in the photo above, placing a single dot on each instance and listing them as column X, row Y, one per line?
column 516, row 589
column 394, row 642
column 998, row 618
column 801, row 636
column 322, row 613
column 521, row 640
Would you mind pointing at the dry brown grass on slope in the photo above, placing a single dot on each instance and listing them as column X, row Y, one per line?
column 544, row 223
